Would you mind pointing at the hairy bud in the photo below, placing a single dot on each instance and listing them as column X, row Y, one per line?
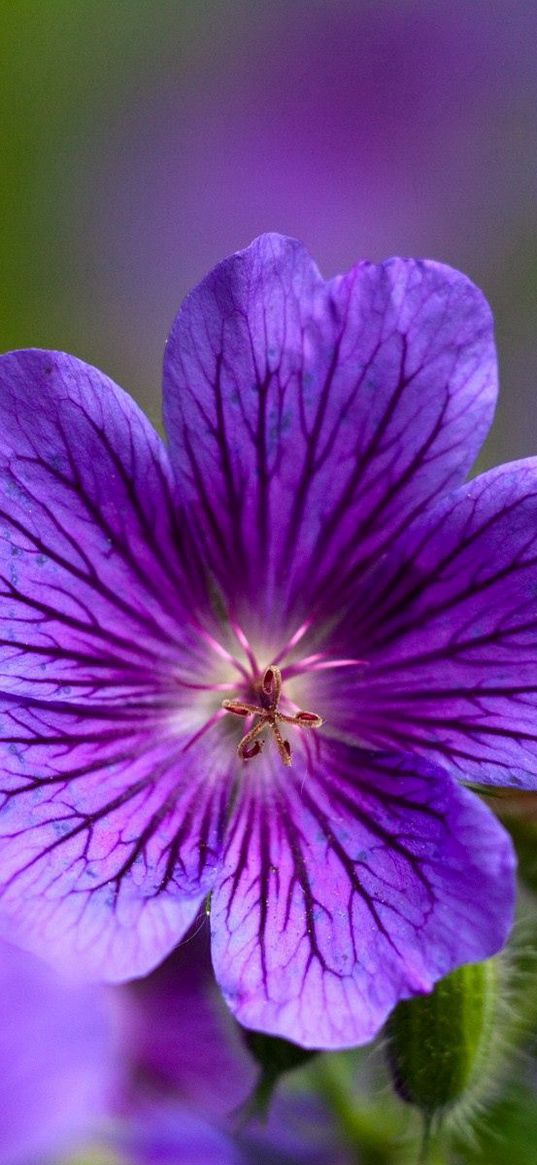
column 439, row 1045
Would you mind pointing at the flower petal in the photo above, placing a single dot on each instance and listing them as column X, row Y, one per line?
column 94, row 577
column 60, row 1070
column 178, row 1034
column 168, row 1133
column 449, row 627
column 298, row 1131
column 349, row 888
column 321, row 416
column 110, row 834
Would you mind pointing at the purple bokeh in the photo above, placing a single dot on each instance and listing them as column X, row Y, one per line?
column 363, row 129
column 60, row 1072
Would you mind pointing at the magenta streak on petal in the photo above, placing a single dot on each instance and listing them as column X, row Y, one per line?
column 293, row 641
column 315, row 663
column 256, row 669
column 201, row 732
column 205, row 687
column 223, row 653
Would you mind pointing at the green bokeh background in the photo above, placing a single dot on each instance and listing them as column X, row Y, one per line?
column 81, row 82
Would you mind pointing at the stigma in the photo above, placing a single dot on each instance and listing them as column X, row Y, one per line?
column 268, row 717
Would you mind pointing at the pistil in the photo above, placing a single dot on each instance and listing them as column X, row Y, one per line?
column 268, row 715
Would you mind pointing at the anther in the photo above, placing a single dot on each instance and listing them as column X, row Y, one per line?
column 308, row 720
column 248, row 753
column 239, row 708
column 271, row 686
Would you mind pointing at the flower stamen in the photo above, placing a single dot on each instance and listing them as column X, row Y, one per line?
column 268, row 715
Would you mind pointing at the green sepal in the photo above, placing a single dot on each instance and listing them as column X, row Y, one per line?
column 275, row 1057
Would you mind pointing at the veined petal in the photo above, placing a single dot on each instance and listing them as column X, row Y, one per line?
column 449, row 627
column 321, row 417
column 110, row 833
column 349, row 887
column 95, row 582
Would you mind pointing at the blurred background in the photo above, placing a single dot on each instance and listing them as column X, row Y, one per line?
column 142, row 141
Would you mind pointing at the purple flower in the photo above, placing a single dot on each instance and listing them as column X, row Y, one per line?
column 59, row 1059
column 179, row 1037
column 306, row 551
column 167, row 1133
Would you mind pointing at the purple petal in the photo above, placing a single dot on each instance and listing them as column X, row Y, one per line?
column 110, row 828
column 93, row 581
column 58, row 1055
column 170, row 1134
column 449, row 627
column 348, row 888
column 321, row 416
column 178, row 1033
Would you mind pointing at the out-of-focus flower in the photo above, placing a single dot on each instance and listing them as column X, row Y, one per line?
column 231, row 669
column 152, row 1070
column 167, row 1134
column 179, row 1037
column 171, row 1133
column 60, row 1069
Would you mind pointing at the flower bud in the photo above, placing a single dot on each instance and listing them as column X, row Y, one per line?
column 439, row 1045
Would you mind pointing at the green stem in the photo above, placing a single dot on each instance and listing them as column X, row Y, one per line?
column 373, row 1131
column 358, row 1124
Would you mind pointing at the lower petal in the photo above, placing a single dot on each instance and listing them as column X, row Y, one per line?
column 350, row 888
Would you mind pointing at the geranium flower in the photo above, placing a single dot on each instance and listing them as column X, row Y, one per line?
column 177, row 624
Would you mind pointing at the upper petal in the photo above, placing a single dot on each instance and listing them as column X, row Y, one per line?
column 448, row 624
column 320, row 417
column 350, row 886
column 95, row 579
